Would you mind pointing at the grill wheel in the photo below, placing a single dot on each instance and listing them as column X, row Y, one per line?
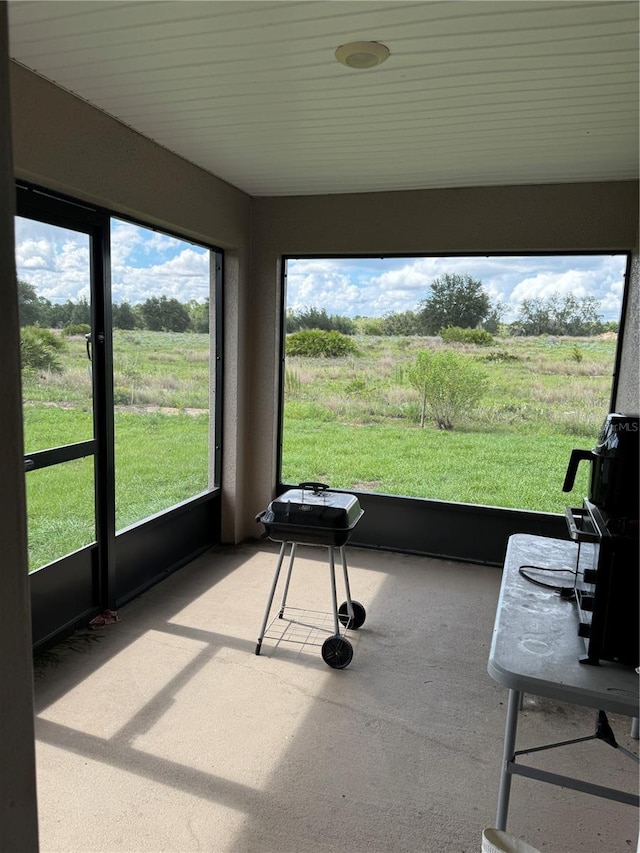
column 337, row 652
column 359, row 615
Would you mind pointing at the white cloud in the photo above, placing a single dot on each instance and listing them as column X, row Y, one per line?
column 54, row 260
column 184, row 277
column 147, row 263
column 144, row 263
column 602, row 279
column 322, row 283
column 376, row 286
column 125, row 240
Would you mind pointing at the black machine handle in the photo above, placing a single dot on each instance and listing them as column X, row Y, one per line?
column 577, row 456
column 316, row 488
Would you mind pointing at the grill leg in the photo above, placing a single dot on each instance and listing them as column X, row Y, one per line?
column 334, row 598
column 346, row 583
column 292, row 557
column 270, row 600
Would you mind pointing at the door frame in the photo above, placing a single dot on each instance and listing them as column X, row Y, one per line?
column 80, row 585
column 67, row 593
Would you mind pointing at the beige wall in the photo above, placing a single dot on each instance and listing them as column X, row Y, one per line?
column 509, row 219
column 18, row 813
column 569, row 217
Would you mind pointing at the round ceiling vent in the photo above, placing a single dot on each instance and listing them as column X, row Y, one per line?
column 362, row 54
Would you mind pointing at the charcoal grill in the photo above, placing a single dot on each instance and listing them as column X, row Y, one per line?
column 313, row 514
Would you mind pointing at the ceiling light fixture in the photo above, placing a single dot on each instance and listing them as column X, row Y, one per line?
column 362, row 54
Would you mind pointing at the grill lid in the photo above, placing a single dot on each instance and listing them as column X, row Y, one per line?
column 314, row 505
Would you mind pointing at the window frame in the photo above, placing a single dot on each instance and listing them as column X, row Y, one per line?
column 429, row 526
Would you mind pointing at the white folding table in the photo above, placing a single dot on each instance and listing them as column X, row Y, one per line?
column 535, row 649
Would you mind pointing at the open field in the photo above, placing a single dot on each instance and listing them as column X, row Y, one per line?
column 161, row 423
column 350, row 422
column 354, row 422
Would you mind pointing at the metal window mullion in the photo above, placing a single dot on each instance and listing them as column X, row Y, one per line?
column 103, row 411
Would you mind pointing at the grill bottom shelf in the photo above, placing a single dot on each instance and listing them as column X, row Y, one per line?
column 305, row 627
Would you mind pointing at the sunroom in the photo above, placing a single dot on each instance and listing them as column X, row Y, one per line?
column 490, row 130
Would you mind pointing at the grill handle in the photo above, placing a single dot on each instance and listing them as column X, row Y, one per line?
column 316, row 488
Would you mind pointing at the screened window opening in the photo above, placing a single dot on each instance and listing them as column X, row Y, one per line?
column 117, row 333
column 161, row 370
column 464, row 379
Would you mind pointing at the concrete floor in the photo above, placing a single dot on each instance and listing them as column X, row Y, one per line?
column 165, row 732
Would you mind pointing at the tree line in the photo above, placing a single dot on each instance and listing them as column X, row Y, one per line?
column 454, row 300
column 460, row 301
column 156, row 314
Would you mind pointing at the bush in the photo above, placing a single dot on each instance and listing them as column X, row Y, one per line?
column 403, row 323
column 317, row 318
column 577, row 354
column 371, row 326
column 499, row 355
column 456, row 335
column 39, row 349
column 76, row 329
column 161, row 314
column 448, row 383
column 558, row 315
column 315, row 343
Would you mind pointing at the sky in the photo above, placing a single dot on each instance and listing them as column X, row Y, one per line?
column 372, row 287
column 146, row 263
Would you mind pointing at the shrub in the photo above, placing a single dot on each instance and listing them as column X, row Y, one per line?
column 456, row 335
column 355, row 386
column 403, row 323
column 499, row 355
column 448, row 383
column 316, row 343
column 317, row 318
column 292, row 383
column 76, row 329
column 371, row 326
column 39, row 349
column 577, row 354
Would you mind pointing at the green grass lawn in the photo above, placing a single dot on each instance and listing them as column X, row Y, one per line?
column 350, row 422
column 353, row 422
column 161, row 422
column 518, row 470
column 161, row 459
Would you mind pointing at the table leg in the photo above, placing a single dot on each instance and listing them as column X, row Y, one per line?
column 513, row 707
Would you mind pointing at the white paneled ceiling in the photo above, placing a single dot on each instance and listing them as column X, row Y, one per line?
column 474, row 93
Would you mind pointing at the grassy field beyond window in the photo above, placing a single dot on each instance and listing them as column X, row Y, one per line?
column 161, row 418
column 354, row 422
column 351, row 422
